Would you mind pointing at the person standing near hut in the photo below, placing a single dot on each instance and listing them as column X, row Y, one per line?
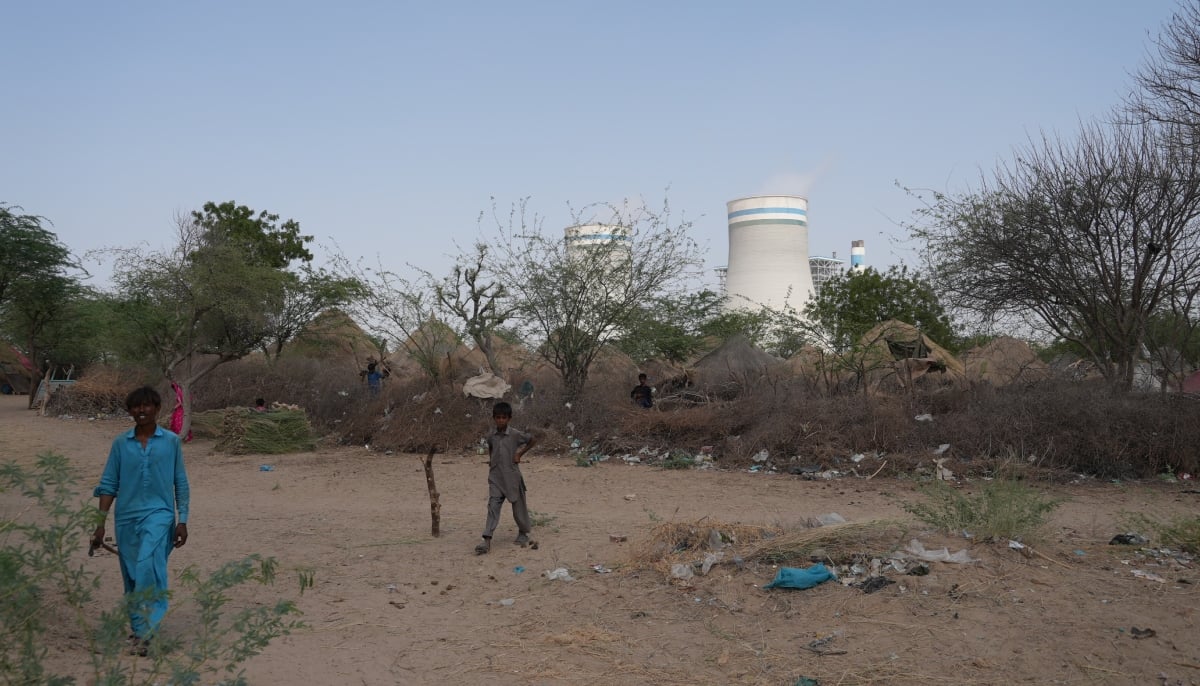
column 146, row 478
column 642, row 395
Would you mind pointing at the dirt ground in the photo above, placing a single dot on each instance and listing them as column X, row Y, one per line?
column 394, row 605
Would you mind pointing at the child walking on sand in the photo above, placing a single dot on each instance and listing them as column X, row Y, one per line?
column 506, row 446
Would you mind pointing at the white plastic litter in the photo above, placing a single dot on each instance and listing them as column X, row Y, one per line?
column 941, row 449
column 507, row 602
column 943, row 472
column 761, row 456
column 1148, row 576
column 917, row 550
column 924, row 418
column 1016, row 545
column 560, row 573
column 710, row 559
column 681, row 571
column 829, row 519
column 858, row 457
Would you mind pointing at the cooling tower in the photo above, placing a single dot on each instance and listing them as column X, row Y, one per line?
column 768, row 252
column 858, row 255
column 583, row 236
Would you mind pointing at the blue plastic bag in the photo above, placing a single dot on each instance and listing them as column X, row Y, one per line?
column 792, row 577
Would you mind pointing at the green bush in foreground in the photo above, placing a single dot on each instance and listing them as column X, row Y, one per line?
column 1004, row 510
column 43, row 581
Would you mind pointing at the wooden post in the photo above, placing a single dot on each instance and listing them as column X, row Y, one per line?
column 435, row 504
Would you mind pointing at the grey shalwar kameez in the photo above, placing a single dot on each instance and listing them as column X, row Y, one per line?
column 505, row 481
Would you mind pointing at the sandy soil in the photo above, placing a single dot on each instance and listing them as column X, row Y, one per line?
column 361, row 519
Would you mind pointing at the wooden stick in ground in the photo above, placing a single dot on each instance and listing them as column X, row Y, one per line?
column 435, row 503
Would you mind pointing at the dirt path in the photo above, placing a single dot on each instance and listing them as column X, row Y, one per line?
column 361, row 520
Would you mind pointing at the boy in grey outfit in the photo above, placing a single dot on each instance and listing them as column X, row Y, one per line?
column 506, row 446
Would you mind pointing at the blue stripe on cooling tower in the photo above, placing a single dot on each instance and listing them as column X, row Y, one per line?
column 769, row 210
column 599, row 237
column 772, row 222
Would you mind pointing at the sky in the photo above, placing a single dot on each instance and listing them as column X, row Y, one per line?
column 386, row 128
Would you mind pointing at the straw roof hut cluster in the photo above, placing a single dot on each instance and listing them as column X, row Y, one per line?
column 891, row 357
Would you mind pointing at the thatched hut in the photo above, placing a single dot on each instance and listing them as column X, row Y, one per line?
column 735, row 364
column 897, row 354
column 1004, row 360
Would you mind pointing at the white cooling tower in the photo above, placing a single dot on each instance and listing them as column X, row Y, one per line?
column 768, row 252
column 583, row 236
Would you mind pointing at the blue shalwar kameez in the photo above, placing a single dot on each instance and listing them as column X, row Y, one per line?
column 149, row 486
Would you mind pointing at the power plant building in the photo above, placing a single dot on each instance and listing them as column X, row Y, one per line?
column 823, row 269
column 768, row 252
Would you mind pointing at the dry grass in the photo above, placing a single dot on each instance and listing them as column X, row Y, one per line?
column 680, row 542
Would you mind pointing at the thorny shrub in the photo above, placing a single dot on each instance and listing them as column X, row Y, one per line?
column 1053, row 429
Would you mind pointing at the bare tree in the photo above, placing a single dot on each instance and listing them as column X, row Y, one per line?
column 392, row 306
column 1169, row 82
column 575, row 296
column 1084, row 238
column 477, row 299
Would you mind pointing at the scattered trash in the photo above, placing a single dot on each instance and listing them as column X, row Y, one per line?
column 943, row 473
column 617, row 538
column 859, row 457
column 1016, row 545
column 391, row 588
column 873, row 584
column 601, row 569
column 924, row 418
column 632, row 459
column 518, row 569
column 559, row 574
column 681, row 571
column 761, row 456
column 941, row 449
column 715, row 540
column 710, row 559
column 1079, row 552
column 1148, row 576
column 806, row 681
column 576, row 444
column 827, row 519
column 1138, row 634
column 1129, row 538
column 793, row 577
column 631, row 497
column 917, row 550
column 507, row 602
column 266, row 468
column 821, row 646
column 919, row 569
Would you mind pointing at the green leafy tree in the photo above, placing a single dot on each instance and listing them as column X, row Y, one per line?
column 214, row 297
column 260, row 238
column 672, row 328
column 851, row 304
column 27, row 249
column 41, row 316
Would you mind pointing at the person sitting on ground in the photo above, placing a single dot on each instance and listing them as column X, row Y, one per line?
column 260, row 405
column 642, row 395
column 506, row 446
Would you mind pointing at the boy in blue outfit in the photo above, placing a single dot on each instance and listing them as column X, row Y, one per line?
column 506, row 446
column 146, row 478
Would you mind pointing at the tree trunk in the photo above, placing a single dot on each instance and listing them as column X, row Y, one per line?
column 435, row 503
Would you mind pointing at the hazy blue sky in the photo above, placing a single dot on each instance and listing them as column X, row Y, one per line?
column 387, row 126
